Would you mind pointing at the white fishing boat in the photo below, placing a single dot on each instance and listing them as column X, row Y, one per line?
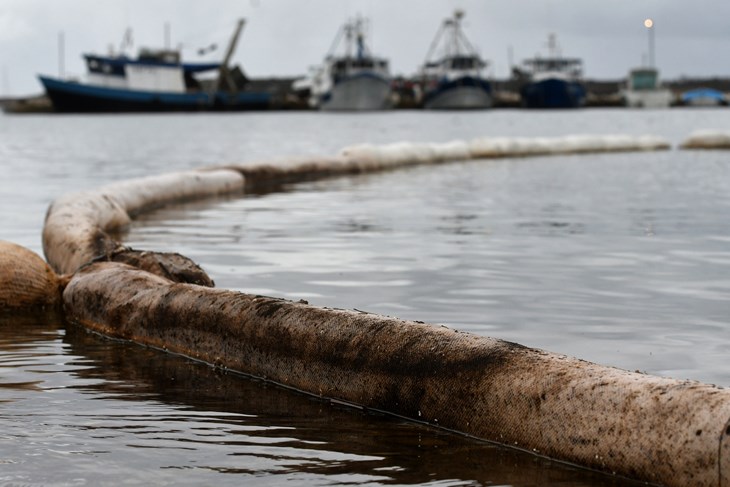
column 351, row 77
column 452, row 73
column 643, row 90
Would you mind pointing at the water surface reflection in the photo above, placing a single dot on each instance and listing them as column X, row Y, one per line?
column 87, row 407
column 244, row 426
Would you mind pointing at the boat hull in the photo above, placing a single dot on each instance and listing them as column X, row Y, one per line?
column 461, row 94
column 704, row 102
column 361, row 92
column 647, row 98
column 68, row 96
column 553, row 93
column 703, row 98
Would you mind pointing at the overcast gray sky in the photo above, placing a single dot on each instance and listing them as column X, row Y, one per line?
column 284, row 37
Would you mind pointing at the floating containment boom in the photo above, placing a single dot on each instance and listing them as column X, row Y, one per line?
column 707, row 139
column 649, row 428
column 660, row 430
column 27, row 284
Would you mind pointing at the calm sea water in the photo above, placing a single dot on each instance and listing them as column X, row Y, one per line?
column 621, row 259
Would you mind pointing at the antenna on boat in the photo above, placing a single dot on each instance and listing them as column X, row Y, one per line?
column 360, row 46
column 127, row 40
column 361, row 27
column 167, row 36
column 349, row 35
column 61, row 54
column 553, row 47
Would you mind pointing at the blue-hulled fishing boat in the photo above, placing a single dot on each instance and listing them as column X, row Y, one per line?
column 155, row 81
column 553, row 81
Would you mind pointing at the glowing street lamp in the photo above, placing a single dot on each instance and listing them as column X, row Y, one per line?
column 649, row 24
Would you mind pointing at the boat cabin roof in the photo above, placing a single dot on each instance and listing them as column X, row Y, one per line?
column 167, row 56
column 538, row 67
column 554, row 64
column 644, row 72
column 114, row 65
column 358, row 62
column 457, row 62
column 644, row 78
column 703, row 93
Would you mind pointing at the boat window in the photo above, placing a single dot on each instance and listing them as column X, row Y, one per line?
column 159, row 56
column 571, row 66
column 107, row 66
column 363, row 64
column 644, row 80
column 463, row 62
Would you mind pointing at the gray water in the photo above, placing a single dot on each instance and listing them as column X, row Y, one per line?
column 620, row 259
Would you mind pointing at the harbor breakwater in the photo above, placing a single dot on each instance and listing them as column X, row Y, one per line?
column 660, row 430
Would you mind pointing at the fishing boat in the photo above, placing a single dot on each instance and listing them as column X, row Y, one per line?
column 451, row 76
column 643, row 90
column 553, row 81
column 155, row 81
column 351, row 77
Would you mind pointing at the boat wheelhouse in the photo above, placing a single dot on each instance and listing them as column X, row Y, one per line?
column 643, row 90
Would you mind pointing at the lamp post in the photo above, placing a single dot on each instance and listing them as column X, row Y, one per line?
column 649, row 24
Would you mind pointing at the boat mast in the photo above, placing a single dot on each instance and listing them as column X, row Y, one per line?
column 61, row 54
column 167, row 36
column 224, row 74
column 349, row 34
column 336, row 41
column 454, row 48
column 435, row 42
column 360, row 45
column 454, row 38
column 462, row 39
column 553, row 48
